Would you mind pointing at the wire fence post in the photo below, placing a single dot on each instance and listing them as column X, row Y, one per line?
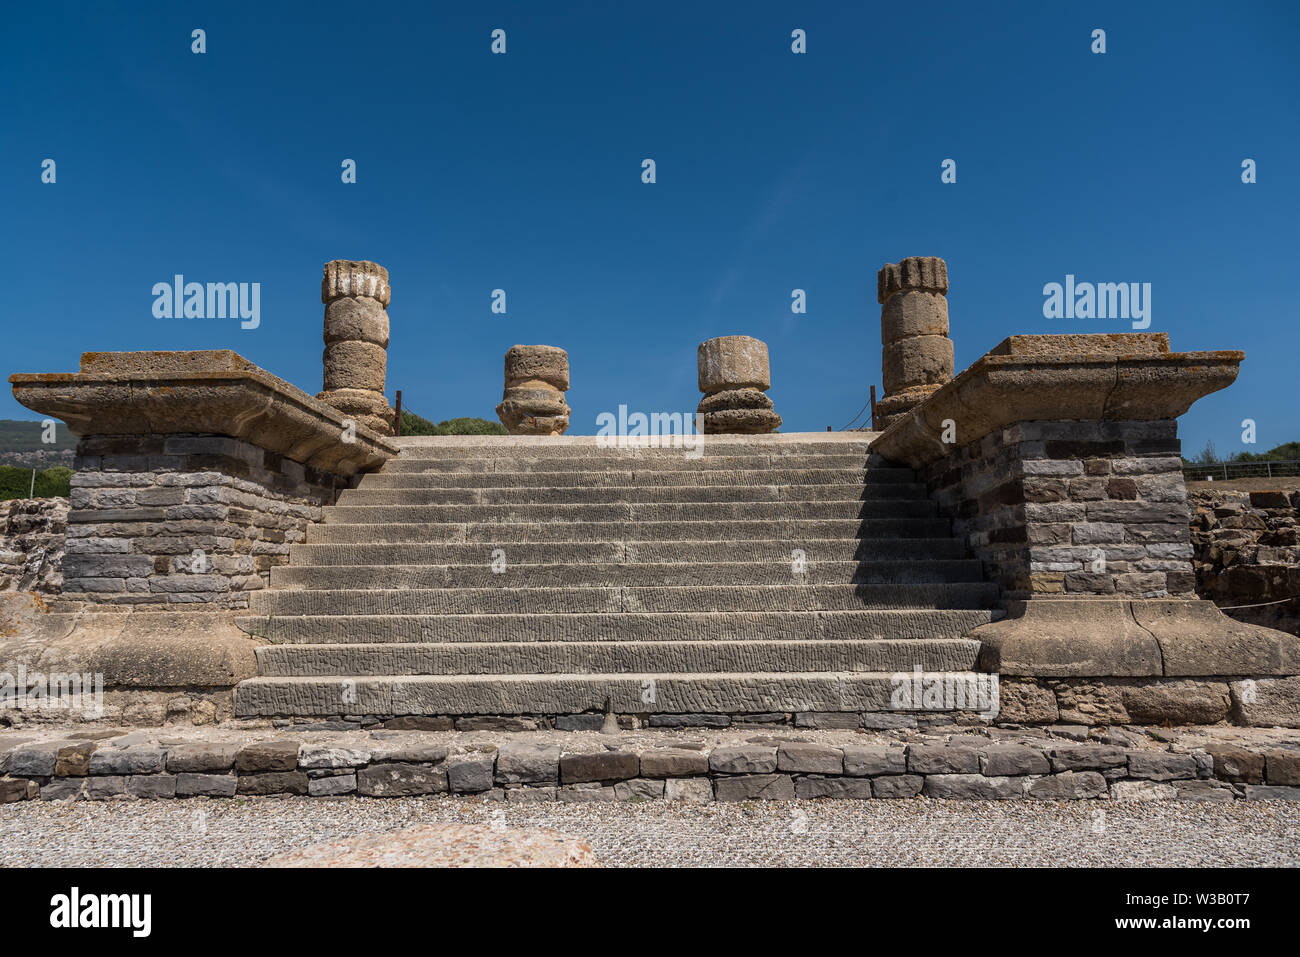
column 397, row 419
column 32, row 493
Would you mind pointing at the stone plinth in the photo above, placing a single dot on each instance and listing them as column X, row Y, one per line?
column 533, row 402
column 916, row 353
column 734, row 376
column 356, row 297
column 202, row 393
column 1057, row 458
column 194, row 472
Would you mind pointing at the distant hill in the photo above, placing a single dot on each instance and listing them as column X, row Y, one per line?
column 19, row 436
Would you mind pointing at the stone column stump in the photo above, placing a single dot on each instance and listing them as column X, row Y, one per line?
column 734, row 376
column 356, row 297
column 536, row 379
column 916, row 355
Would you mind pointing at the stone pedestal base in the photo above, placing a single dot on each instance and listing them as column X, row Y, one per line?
column 1103, row 638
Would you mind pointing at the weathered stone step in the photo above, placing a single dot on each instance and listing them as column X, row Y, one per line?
column 619, row 461
column 897, row 491
column 626, row 512
column 707, row 693
column 508, row 600
column 886, row 623
column 508, row 532
column 641, row 477
column 531, row 553
column 608, row 574
column 613, row 657
column 708, row 448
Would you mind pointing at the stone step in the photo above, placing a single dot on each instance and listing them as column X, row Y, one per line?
column 641, row 477
column 708, row 448
column 667, row 598
column 898, row 491
column 508, row 532
column 701, row 693
column 620, row 461
column 610, row 574
column 614, row 657
column 887, row 623
column 531, row 553
column 626, row 512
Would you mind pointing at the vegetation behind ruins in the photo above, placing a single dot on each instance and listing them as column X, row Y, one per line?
column 17, row 482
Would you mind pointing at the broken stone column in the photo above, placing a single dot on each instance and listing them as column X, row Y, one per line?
column 536, row 380
column 356, row 296
column 917, row 355
column 734, row 376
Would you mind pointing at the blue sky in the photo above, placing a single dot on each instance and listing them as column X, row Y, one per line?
column 775, row 171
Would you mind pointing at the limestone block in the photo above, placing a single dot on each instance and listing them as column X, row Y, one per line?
column 741, row 421
column 345, row 277
column 733, row 362
column 548, row 364
column 353, row 364
column 928, row 273
column 735, row 399
column 362, row 319
column 916, row 361
column 914, row 314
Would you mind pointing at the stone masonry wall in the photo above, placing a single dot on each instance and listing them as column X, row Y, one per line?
column 174, row 520
column 1247, row 548
column 31, row 544
column 1073, row 509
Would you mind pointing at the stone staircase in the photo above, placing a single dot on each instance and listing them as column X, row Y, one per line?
column 549, row 576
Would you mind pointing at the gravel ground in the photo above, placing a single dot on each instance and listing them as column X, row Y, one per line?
column 244, row 832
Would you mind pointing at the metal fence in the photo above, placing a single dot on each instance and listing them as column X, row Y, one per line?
column 1221, row 471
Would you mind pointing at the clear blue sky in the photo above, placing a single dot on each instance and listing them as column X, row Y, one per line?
column 775, row 171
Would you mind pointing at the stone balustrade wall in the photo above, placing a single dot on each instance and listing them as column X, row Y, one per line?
column 174, row 521
column 1072, row 509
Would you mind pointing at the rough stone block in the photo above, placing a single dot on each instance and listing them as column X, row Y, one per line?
column 273, row 782
column 808, row 758
column 1068, row 786
column 972, row 787
column 940, row 759
column 1010, row 759
column 743, row 760
column 673, row 763
column 267, row 756
column 400, row 780
column 872, row 761
column 201, row 758
column 333, row 785
column 690, row 790
column 470, row 773
column 897, row 786
column 1161, row 766
column 755, row 787
column 520, row 763
column 205, row 785
column 833, row 787
column 598, row 766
